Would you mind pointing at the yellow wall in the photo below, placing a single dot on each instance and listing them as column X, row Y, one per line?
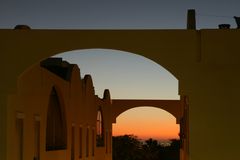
column 205, row 62
column 78, row 100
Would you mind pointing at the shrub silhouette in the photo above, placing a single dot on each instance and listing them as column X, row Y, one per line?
column 129, row 147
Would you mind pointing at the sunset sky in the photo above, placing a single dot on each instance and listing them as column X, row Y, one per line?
column 130, row 76
column 126, row 75
column 147, row 122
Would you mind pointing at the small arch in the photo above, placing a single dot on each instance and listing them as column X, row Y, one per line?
column 56, row 130
column 150, row 106
column 145, row 120
column 100, row 128
column 174, row 107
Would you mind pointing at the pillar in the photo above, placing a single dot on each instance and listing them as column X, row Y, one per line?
column 3, row 126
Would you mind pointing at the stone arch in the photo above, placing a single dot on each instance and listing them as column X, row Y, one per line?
column 143, row 121
column 160, row 108
column 195, row 57
column 31, row 46
column 174, row 107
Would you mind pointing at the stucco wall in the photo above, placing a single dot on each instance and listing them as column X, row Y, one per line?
column 79, row 104
column 205, row 62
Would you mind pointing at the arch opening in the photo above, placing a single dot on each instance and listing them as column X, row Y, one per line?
column 147, row 122
column 56, row 134
column 128, row 72
column 100, row 128
column 116, row 69
column 153, row 130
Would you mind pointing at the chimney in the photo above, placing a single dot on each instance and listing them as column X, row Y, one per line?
column 191, row 20
column 237, row 19
column 224, row 26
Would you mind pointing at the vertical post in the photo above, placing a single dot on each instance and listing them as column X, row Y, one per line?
column 191, row 19
column 3, row 126
column 184, row 129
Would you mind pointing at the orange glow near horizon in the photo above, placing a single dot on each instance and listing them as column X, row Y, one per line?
column 147, row 122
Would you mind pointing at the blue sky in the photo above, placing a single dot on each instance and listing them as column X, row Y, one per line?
column 126, row 75
column 76, row 14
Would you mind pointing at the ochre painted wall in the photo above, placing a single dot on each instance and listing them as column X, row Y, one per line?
column 79, row 104
column 206, row 63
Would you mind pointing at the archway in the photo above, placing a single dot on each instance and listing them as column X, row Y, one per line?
column 180, row 113
column 56, row 130
column 117, row 69
column 154, row 130
column 50, row 50
column 147, row 122
column 200, row 60
column 169, row 105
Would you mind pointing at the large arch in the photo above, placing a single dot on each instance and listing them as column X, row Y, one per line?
column 121, row 69
column 177, row 108
column 206, row 63
column 143, row 42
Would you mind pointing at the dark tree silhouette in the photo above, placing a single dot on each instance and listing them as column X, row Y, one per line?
column 151, row 149
column 126, row 147
column 129, row 147
column 171, row 152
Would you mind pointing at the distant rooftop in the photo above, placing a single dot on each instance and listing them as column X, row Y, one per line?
column 59, row 67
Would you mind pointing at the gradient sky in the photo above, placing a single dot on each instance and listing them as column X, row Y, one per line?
column 131, row 76
column 76, row 14
column 160, row 125
column 126, row 75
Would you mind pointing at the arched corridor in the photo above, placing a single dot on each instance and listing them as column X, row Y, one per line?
column 206, row 63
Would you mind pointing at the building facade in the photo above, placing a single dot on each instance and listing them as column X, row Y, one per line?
column 56, row 115
column 206, row 63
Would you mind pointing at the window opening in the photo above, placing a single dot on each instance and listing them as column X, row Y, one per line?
column 56, row 138
column 100, row 129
